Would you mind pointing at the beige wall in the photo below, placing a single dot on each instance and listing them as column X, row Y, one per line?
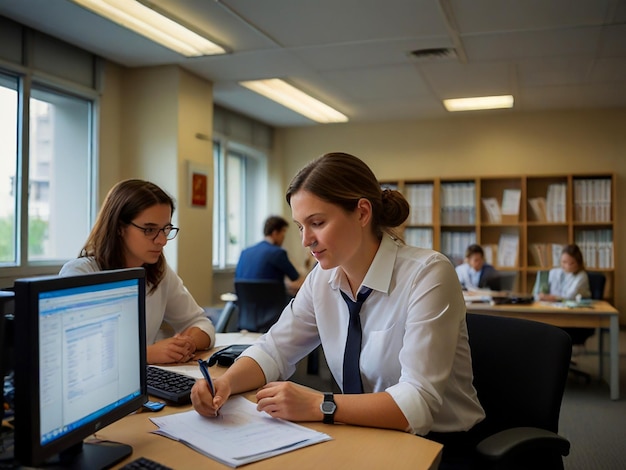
column 150, row 119
column 495, row 144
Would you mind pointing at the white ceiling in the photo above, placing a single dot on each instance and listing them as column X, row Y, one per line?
column 354, row 54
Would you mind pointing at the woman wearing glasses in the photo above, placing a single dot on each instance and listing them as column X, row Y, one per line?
column 131, row 230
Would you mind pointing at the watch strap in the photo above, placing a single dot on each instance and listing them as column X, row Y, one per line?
column 329, row 417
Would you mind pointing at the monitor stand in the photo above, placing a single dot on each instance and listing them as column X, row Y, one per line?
column 97, row 455
column 89, row 456
column 6, row 445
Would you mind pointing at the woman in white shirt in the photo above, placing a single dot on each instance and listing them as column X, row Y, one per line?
column 415, row 364
column 132, row 228
column 568, row 281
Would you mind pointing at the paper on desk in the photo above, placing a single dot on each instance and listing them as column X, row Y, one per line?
column 239, row 435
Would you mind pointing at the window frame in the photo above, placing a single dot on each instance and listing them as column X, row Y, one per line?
column 27, row 79
column 256, row 162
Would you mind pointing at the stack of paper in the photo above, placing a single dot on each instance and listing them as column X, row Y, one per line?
column 492, row 207
column 508, row 249
column 239, row 435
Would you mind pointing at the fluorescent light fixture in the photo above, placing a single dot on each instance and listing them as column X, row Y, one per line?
column 282, row 92
column 147, row 22
column 481, row 102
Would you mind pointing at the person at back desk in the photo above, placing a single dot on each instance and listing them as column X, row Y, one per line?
column 267, row 260
column 475, row 273
column 566, row 282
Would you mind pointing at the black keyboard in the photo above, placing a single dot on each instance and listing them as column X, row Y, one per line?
column 169, row 385
column 142, row 463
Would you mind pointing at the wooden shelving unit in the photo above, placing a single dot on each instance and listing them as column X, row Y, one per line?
column 448, row 214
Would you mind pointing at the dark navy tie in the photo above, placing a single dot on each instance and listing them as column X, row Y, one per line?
column 351, row 371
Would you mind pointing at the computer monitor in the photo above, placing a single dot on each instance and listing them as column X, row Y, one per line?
column 6, row 341
column 80, row 353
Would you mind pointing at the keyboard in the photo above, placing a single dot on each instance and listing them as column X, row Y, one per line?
column 143, row 463
column 169, row 385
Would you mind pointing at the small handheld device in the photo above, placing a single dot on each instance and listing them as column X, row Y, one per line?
column 154, row 405
column 225, row 357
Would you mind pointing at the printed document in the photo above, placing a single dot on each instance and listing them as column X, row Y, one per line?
column 239, row 435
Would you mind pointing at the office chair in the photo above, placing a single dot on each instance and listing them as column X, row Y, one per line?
column 227, row 318
column 260, row 303
column 579, row 336
column 520, row 369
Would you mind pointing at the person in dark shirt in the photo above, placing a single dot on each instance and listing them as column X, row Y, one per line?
column 267, row 260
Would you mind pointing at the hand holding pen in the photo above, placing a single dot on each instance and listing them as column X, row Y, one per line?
column 205, row 372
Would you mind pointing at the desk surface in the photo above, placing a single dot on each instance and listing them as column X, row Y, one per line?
column 596, row 316
column 351, row 446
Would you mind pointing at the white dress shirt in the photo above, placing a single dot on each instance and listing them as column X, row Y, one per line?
column 468, row 276
column 569, row 285
column 415, row 342
column 170, row 301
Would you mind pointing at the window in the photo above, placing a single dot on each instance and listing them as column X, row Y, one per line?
column 47, row 201
column 57, row 218
column 58, row 175
column 8, row 168
column 240, row 189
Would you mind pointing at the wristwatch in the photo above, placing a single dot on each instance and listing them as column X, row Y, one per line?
column 328, row 408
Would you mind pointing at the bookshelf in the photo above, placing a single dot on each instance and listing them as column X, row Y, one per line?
column 522, row 222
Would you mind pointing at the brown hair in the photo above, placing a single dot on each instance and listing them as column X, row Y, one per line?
column 574, row 251
column 274, row 223
column 342, row 179
column 125, row 201
column 474, row 249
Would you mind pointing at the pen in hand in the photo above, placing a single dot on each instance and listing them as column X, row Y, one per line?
column 205, row 372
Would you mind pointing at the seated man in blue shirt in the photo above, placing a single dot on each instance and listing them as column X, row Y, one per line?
column 475, row 273
column 267, row 260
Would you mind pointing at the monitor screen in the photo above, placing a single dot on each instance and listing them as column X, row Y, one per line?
column 6, row 368
column 80, row 364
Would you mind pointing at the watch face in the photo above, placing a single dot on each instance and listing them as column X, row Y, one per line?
column 328, row 407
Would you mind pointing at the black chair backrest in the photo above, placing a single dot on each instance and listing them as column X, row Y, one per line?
column 227, row 320
column 502, row 281
column 520, row 369
column 260, row 303
column 597, row 281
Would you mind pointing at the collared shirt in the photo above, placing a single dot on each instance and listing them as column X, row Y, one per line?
column 415, row 341
column 568, row 285
column 170, row 301
column 472, row 279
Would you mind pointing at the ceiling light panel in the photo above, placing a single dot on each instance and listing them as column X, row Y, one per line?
column 479, row 103
column 282, row 92
column 143, row 20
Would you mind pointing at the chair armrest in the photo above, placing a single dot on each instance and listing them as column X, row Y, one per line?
column 521, row 439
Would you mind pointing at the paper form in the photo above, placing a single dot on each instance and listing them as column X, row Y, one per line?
column 239, row 435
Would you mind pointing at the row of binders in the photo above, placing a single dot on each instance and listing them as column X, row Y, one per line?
column 420, row 197
column 592, row 200
column 458, row 203
column 551, row 208
column 421, row 237
column 597, row 248
column 454, row 244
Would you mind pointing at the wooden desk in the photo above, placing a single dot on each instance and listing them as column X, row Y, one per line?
column 352, row 447
column 601, row 315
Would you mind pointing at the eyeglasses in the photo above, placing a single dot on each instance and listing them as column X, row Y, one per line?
column 169, row 231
